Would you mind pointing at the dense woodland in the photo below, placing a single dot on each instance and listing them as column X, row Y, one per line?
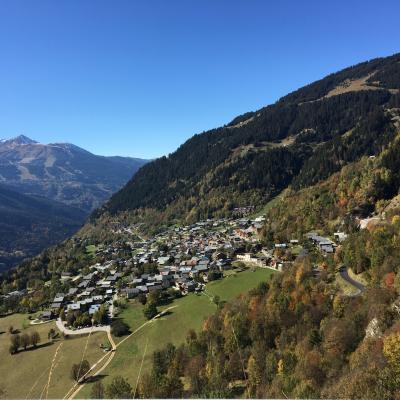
column 297, row 335
column 358, row 190
column 208, row 161
column 29, row 224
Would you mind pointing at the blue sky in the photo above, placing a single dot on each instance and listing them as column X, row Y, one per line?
column 138, row 78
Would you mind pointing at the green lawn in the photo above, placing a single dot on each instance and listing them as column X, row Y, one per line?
column 190, row 313
column 238, row 283
column 132, row 315
column 272, row 203
column 91, row 250
column 29, row 369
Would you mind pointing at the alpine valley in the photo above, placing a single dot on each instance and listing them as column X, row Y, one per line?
column 47, row 192
column 261, row 259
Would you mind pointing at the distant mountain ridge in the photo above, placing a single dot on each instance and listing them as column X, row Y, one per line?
column 63, row 172
column 18, row 140
column 48, row 190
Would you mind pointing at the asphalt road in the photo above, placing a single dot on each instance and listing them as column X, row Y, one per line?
column 82, row 331
column 359, row 286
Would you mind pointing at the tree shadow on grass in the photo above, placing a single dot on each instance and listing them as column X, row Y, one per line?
column 93, row 379
column 39, row 346
column 238, row 391
column 165, row 314
column 120, row 320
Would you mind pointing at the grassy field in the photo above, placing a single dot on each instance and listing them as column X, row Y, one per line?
column 271, row 204
column 190, row 313
column 238, row 283
column 91, row 250
column 295, row 250
column 28, row 371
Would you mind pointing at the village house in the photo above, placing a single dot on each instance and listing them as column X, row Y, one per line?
column 183, row 256
column 324, row 244
column 131, row 293
column 65, row 276
column 46, row 316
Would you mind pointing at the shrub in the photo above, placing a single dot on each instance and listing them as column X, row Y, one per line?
column 119, row 328
column 119, row 388
column 79, row 370
column 150, row 310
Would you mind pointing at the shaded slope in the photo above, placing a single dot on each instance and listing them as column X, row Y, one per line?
column 28, row 224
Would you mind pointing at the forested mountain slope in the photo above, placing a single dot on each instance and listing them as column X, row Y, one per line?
column 299, row 335
column 302, row 138
column 28, row 224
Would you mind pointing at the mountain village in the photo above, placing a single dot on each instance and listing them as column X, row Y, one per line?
column 180, row 260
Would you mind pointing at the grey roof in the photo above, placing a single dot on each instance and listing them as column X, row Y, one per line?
column 132, row 290
column 74, row 306
column 46, row 314
column 201, row 267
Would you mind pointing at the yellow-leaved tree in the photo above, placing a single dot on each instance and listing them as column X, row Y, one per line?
column 391, row 374
column 391, row 350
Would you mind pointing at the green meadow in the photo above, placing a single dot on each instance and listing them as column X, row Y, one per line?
column 27, row 372
column 189, row 313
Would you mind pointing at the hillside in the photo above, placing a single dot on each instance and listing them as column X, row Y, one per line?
column 301, row 139
column 325, row 158
column 63, row 172
column 28, row 224
column 298, row 147
column 300, row 335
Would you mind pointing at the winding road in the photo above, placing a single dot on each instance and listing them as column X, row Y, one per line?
column 345, row 275
column 82, row 331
